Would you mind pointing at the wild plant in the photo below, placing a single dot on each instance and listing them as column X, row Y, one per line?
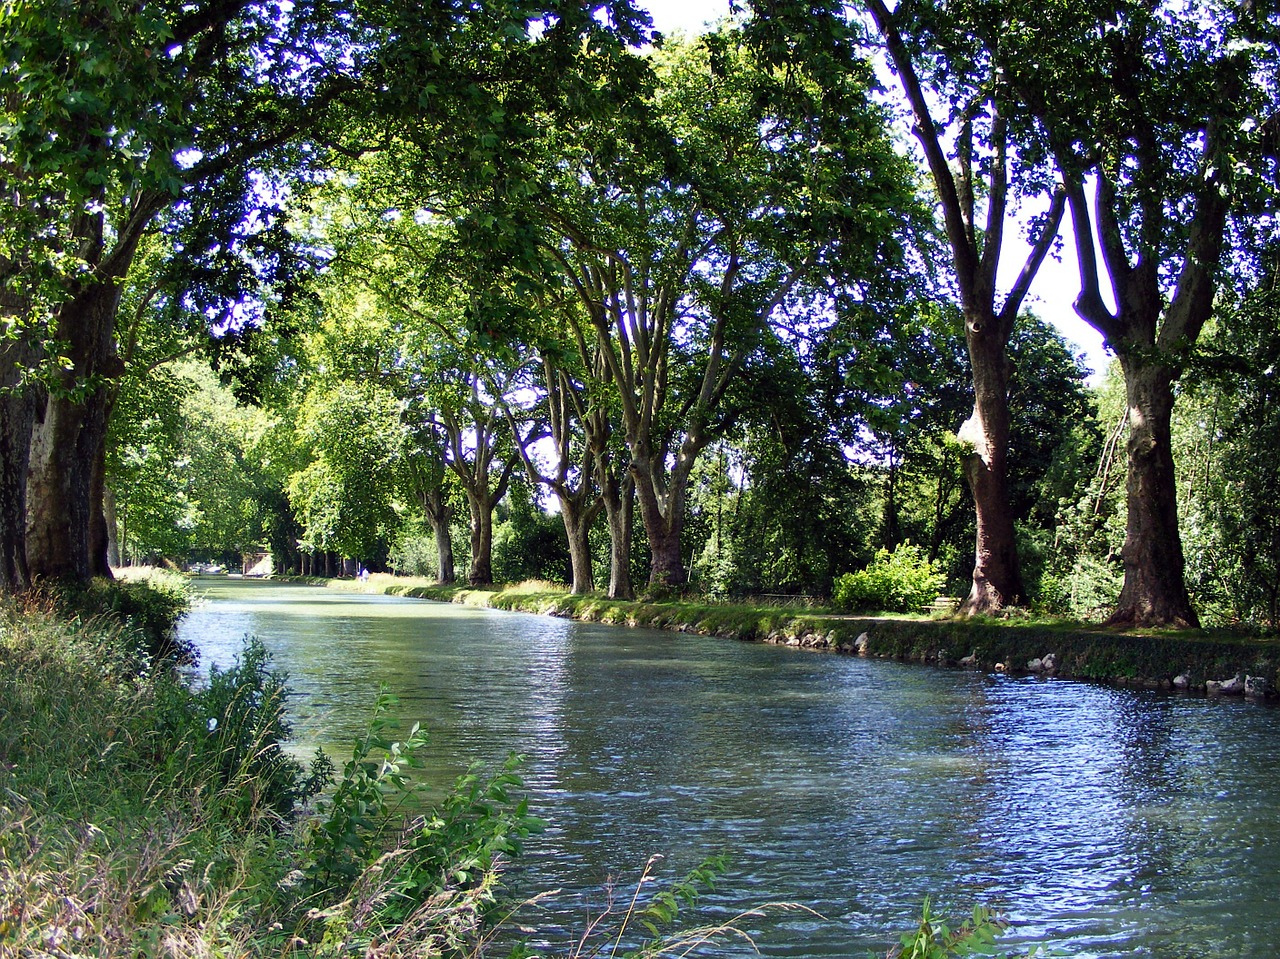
column 935, row 939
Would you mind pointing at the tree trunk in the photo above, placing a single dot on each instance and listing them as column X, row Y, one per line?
column 619, row 504
column 663, row 527
column 113, row 527
column 67, row 442
column 99, row 533
column 481, row 543
column 17, row 417
column 578, row 520
column 435, row 505
column 1155, row 590
column 997, row 581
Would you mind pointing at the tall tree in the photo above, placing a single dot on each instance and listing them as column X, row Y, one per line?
column 689, row 229
column 1164, row 106
column 113, row 114
column 956, row 90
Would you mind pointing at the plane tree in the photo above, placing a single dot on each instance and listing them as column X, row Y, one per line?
column 687, row 227
column 115, row 116
column 1159, row 118
column 964, row 118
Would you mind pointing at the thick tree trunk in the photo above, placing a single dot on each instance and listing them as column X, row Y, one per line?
column 435, row 505
column 481, row 543
column 67, row 443
column 619, row 505
column 17, row 416
column 99, row 532
column 997, row 581
column 1155, row 590
column 577, row 530
column 578, row 520
column 663, row 527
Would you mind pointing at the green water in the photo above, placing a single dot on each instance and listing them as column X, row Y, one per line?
column 1100, row 821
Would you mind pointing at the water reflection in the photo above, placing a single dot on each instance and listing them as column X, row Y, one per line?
column 1106, row 822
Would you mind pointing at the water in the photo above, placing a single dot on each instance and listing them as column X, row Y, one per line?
column 1102, row 822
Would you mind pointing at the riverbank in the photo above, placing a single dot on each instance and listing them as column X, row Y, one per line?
column 1188, row 660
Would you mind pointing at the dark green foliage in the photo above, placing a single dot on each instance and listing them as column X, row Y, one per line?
column 1231, row 476
column 228, row 739
column 528, row 543
column 150, row 608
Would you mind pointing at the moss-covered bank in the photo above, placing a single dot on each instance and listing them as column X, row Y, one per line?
column 1191, row 660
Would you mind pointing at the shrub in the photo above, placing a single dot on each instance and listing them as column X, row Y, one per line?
column 227, row 739
column 151, row 606
column 904, row 581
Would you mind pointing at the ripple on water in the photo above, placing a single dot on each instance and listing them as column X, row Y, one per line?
column 1105, row 822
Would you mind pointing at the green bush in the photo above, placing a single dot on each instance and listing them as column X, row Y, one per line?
column 934, row 939
column 227, row 739
column 151, row 606
column 904, row 581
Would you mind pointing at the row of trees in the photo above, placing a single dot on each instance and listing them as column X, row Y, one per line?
column 516, row 239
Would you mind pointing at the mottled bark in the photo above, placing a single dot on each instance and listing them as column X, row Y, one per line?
column 578, row 519
column 17, row 415
column 481, row 573
column 439, row 514
column 67, row 445
column 1155, row 590
column 662, row 512
column 619, row 499
column 997, row 581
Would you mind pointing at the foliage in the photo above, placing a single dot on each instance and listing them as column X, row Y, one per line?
column 413, row 553
column 934, row 939
column 1229, row 463
column 228, row 737
column 456, row 845
column 149, row 606
column 904, row 581
column 529, row 543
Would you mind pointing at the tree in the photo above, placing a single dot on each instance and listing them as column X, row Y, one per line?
column 919, row 39
column 1229, row 478
column 113, row 115
column 685, row 232
column 345, row 496
column 1164, row 108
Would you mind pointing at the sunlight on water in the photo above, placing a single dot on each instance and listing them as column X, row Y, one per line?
column 1102, row 822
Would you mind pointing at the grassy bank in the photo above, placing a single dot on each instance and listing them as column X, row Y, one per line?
column 1191, row 659
column 146, row 815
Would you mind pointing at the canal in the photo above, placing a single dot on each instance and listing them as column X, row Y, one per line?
column 1101, row 822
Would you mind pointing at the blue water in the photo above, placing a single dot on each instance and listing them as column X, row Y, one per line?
column 1100, row 822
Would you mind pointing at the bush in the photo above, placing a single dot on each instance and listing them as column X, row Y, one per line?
column 151, row 606
column 227, row 740
column 904, row 581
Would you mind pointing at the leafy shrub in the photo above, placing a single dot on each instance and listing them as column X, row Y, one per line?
column 228, row 737
column 934, row 939
column 151, row 606
column 904, row 581
column 1086, row 589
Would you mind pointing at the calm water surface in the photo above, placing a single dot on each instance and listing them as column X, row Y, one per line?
column 1103, row 822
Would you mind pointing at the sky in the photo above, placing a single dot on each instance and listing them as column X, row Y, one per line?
column 1057, row 282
